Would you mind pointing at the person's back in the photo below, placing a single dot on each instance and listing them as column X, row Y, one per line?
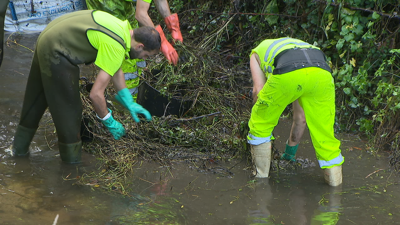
column 67, row 35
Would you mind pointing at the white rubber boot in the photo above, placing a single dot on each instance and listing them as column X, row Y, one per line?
column 261, row 156
column 333, row 176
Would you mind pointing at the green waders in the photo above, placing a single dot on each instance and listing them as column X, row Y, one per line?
column 59, row 92
column 3, row 9
column 54, row 82
column 22, row 140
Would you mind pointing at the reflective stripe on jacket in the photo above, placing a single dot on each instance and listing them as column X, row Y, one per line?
column 270, row 48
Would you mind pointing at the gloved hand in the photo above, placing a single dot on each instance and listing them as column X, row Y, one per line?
column 172, row 22
column 125, row 97
column 166, row 48
column 290, row 153
column 115, row 127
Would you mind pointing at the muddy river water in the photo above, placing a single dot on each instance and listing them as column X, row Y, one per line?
column 41, row 190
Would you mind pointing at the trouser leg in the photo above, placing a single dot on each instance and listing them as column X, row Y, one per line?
column 319, row 108
column 70, row 153
column 3, row 9
column 63, row 97
column 22, row 139
column 277, row 93
column 33, row 108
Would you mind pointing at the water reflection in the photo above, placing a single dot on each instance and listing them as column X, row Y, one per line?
column 329, row 208
column 262, row 198
column 150, row 202
column 299, row 207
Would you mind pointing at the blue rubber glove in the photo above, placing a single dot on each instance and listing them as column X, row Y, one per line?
column 115, row 127
column 125, row 97
column 120, row 100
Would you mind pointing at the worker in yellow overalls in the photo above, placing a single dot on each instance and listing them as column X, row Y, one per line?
column 284, row 71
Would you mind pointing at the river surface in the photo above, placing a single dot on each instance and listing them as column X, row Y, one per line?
column 42, row 190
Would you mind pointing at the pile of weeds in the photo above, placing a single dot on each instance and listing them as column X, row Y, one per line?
column 213, row 126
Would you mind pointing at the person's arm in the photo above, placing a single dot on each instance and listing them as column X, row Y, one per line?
column 171, row 20
column 142, row 11
column 100, row 106
column 299, row 124
column 257, row 74
column 97, row 93
column 125, row 97
column 162, row 7
column 142, row 15
column 143, row 18
column 119, row 80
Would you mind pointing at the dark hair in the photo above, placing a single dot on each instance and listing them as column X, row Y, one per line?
column 148, row 36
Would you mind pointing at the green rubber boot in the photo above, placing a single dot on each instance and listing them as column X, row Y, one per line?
column 70, row 153
column 22, row 140
column 290, row 153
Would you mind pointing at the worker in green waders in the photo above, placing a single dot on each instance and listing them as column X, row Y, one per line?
column 3, row 9
column 285, row 71
column 124, row 10
column 81, row 37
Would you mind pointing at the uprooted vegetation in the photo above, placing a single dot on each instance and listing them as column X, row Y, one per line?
column 213, row 122
column 212, row 125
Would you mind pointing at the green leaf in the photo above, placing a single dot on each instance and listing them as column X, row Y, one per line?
column 347, row 11
column 331, row 17
column 375, row 16
column 359, row 30
column 352, row 105
column 368, row 35
column 347, row 91
column 348, row 19
column 339, row 44
column 253, row 18
column 272, row 7
column 370, row 24
column 344, row 30
column 354, row 100
column 356, row 19
column 354, row 46
column 349, row 37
